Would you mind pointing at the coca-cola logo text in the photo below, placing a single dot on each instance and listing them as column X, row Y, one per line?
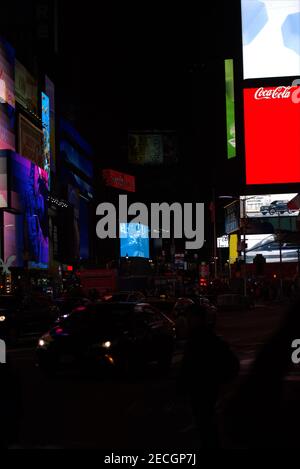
column 281, row 92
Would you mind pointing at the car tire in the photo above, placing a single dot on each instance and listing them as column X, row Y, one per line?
column 272, row 211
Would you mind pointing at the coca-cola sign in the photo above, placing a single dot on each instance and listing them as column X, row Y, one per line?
column 280, row 92
column 272, row 137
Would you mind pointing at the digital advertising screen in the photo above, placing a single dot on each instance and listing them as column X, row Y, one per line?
column 46, row 132
column 29, row 194
column 230, row 113
column 272, row 137
column 271, row 38
column 75, row 158
column 134, row 240
column 7, row 128
column 3, row 182
column 68, row 130
column 13, row 225
column 50, row 91
column 31, row 141
column 268, row 246
column 145, row 149
column 119, row 180
column 26, row 88
column 223, row 241
column 7, row 73
column 268, row 205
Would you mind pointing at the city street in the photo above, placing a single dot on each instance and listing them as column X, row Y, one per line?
column 71, row 410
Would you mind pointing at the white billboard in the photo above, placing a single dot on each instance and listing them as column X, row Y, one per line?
column 268, row 205
column 271, row 38
column 268, row 245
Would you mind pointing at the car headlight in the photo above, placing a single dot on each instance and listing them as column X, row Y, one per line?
column 45, row 340
column 2, row 318
column 106, row 344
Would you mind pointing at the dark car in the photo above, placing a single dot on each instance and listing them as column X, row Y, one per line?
column 9, row 312
column 277, row 206
column 119, row 335
column 125, row 296
column 65, row 306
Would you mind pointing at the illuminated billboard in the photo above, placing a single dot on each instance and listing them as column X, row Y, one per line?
column 26, row 88
column 3, row 183
column 223, row 241
column 31, row 141
column 268, row 205
column 134, row 240
column 271, row 38
column 230, row 114
column 29, row 194
column 269, row 247
column 145, row 149
column 50, row 91
column 75, row 158
column 272, row 137
column 46, row 132
column 7, row 74
column 7, row 128
column 119, row 180
column 13, row 245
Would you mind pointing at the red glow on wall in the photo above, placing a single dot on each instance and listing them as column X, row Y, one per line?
column 272, row 135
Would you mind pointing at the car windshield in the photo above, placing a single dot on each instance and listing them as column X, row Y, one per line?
column 104, row 317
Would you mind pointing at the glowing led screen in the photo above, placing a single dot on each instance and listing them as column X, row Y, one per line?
column 13, row 239
column 7, row 73
column 230, row 115
column 271, row 38
column 29, row 195
column 269, row 246
column 46, row 132
column 272, row 137
column 134, row 240
column 268, row 205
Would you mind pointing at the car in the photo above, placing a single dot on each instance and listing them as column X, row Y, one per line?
column 277, row 206
column 9, row 312
column 180, row 313
column 65, row 305
column 125, row 296
column 120, row 336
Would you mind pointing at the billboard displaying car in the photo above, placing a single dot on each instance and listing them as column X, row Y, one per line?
column 272, row 137
column 271, row 38
column 268, row 245
column 268, row 205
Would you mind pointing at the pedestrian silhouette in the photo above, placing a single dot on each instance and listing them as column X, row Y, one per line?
column 208, row 363
column 260, row 415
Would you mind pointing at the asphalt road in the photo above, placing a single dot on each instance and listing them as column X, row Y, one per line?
column 75, row 411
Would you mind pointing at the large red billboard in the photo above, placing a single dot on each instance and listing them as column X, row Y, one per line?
column 272, row 135
column 119, row 180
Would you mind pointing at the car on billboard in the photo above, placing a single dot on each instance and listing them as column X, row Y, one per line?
column 277, row 206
